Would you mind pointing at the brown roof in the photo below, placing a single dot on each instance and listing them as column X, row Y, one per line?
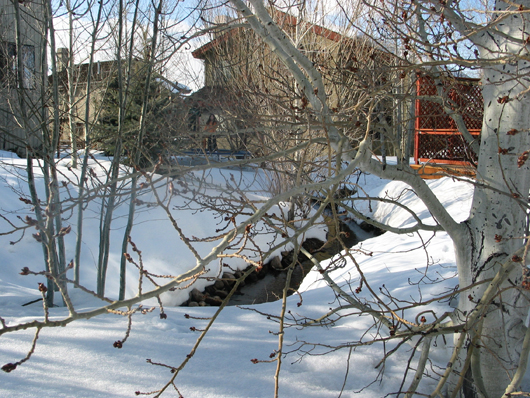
column 201, row 51
column 284, row 19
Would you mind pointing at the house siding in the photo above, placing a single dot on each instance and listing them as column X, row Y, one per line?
column 241, row 62
column 20, row 124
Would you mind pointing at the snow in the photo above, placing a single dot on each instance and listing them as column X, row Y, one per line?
column 79, row 360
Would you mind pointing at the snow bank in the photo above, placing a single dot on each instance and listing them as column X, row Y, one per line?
column 80, row 360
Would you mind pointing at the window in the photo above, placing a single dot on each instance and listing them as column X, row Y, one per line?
column 8, row 65
column 8, row 55
column 28, row 63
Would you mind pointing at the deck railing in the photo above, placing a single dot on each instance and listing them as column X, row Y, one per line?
column 437, row 139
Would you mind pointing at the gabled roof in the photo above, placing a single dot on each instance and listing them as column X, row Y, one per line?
column 284, row 20
column 201, row 51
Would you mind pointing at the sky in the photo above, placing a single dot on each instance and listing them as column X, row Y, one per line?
column 80, row 360
column 183, row 21
column 180, row 67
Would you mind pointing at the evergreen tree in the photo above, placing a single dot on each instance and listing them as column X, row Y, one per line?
column 108, row 132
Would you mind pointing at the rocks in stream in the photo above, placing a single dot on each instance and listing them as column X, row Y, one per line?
column 260, row 286
column 367, row 227
column 267, row 284
column 213, row 295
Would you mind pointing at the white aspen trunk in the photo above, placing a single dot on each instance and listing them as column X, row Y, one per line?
column 71, row 86
column 498, row 222
column 134, row 178
column 496, row 226
column 498, row 218
column 88, row 129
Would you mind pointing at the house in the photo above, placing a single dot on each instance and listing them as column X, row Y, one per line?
column 21, row 76
column 101, row 73
column 102, row 116
column 249, row 90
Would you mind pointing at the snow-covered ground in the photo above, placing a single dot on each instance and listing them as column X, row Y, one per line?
column 79, row 360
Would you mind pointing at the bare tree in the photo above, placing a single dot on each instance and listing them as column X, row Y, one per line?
column 327, row 117
column 490, row 245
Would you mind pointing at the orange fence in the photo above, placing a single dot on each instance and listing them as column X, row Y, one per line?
column 437, row 138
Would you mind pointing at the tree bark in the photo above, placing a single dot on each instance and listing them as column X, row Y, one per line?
column 486, row 242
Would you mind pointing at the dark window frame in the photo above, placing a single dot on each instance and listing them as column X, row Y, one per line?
column 9, row 62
